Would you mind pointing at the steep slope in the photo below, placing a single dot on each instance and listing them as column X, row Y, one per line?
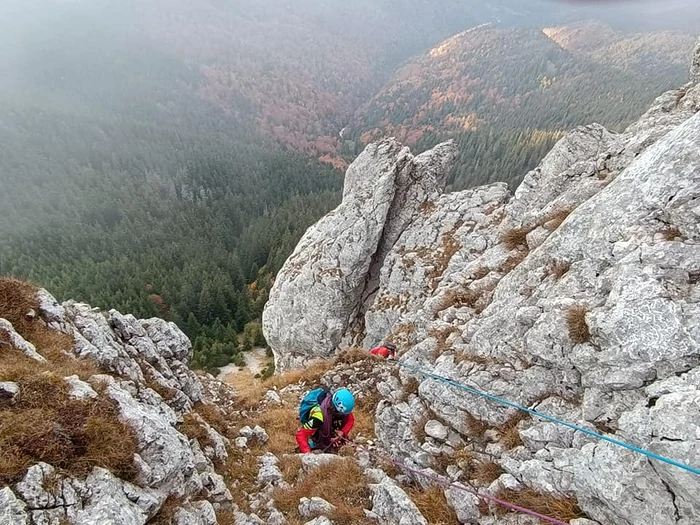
column 507, row 95
column 576, row 297
column 95, row 413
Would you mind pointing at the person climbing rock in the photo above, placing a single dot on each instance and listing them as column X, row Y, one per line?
column 387, row 351
column 326, row 419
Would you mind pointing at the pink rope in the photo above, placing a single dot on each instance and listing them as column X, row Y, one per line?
column 443, row 482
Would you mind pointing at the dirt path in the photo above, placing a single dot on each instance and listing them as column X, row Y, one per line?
column 255, row 361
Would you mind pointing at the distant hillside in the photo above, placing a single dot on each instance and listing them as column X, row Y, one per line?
column 508, row 94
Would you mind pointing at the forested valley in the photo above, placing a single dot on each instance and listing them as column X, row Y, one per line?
column 164, row 157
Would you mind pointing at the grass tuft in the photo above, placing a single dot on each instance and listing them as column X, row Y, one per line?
column 515, row 237
column 578, row 328
column 433, row 505
column 72, row 435
column 342, row 483
column 561, row 508
column 558, row 268
column 487, row 472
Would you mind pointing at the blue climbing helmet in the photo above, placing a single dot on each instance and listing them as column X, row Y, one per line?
column 343, row 401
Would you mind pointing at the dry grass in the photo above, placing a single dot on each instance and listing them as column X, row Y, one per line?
column 290, row 465
column 419, row 428
column 476, row 427
column 433, row 505
column 558, row 268
column 364, row 414
column 17, row 298
column 281, row 425
column 342, row 483
column 510, row 437
column 578, row 328
column 672, row 233
column 464, row 459
column 225, row 516
column 564, row 509
column 241, row 474
column 309, row 375
column 487, row 472
column 441, row 336
column 409, row 387
column 553, row 221
column 193, row 429
column 513, row 261
column 515, row 237
column 72, row 435
column 458, row 299
column 216, row 418
column 167, row 511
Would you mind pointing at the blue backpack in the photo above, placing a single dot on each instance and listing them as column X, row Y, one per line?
column 309, row 401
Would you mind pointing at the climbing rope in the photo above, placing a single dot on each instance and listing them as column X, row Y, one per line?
column 447, row 483
column 535, row 413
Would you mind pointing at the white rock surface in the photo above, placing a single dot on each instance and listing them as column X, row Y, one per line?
column 9, row 392
column 17, row 341
column 13, row 511
column 391, row 504
column 609, row 228
column 318, row 290
column 314, row 507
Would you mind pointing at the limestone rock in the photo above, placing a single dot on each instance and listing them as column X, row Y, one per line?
column 314, row 507
column 9, row 392
column 695, row 68
column 323, row 283
column 392, row 505
column 17, row 341
column 311, row 461
column 13, row 511
column 269, row 471
column 80, row 389
column 465, row 504
column 436, row 430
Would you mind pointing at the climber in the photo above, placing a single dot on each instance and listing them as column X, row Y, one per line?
column 387, row 351
column 326, row 419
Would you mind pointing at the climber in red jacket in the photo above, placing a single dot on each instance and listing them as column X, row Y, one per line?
column 387, row 351
column 328, row 423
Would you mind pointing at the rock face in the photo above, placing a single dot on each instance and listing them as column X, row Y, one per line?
column 147, row 378
column 578, row 296
column 323, row 284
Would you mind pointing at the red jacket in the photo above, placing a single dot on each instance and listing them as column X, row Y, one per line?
column 382, row 351
column 310, row 429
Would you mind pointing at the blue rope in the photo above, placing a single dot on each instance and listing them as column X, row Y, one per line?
column 549, row 418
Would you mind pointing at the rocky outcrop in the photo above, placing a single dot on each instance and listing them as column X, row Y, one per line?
column 577, row 296
column 335, row 266
column 147, row 380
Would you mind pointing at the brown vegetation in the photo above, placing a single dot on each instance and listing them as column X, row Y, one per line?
column 487, row 472
column 433, row 506
column 72, row 435
column 515, row 237
column 578, row 328
column 558, row 268
column 17, row 299
column 45, row 424
column 510, row 437
column 561, row 508
column 672, row 233
column 513, row 261
column 553, row 221
column 167, row 511
column 410, row 386
column 459, row 299
column 350, row 494
column 476, row 427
